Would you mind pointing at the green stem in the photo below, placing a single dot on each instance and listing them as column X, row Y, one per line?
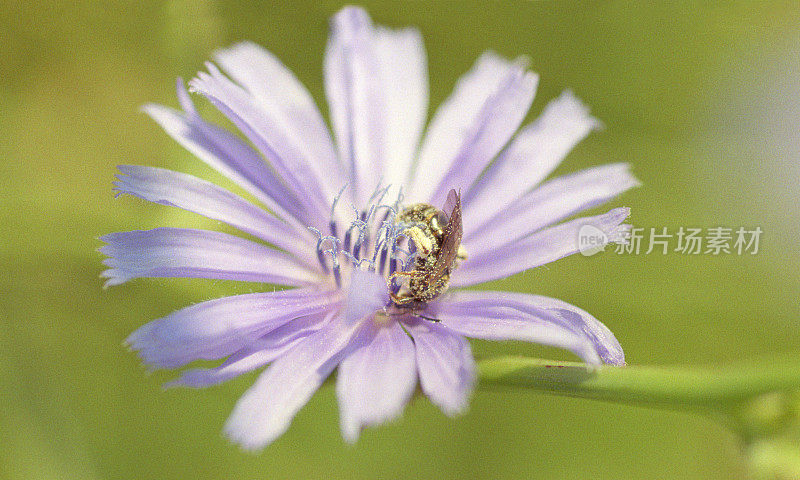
column 705, row 389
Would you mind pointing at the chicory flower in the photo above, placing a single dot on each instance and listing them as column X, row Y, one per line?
column 377, row 228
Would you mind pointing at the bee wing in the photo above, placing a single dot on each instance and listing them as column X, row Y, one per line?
column 451, row 239
column 453, row 199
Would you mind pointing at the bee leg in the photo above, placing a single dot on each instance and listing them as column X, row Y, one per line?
column 409, row 274
column 405, row 298
column 422, row 242
column 430, row 319
column 401, row 299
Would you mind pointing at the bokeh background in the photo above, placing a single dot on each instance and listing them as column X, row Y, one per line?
column 701, row 97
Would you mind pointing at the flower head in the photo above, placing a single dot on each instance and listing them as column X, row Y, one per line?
column 377, row 228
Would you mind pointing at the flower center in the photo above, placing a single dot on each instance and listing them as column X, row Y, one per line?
column 415, row 247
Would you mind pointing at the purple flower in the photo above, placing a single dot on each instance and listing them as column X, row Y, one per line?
column 376, row 228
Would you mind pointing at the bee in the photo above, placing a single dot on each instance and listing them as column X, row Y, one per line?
column 436, row 235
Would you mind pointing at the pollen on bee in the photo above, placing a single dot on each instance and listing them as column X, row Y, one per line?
column 437, row 237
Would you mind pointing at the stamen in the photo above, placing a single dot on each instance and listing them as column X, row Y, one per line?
column 320, row 253
column 379, row 193
column 382, row 262
column 377, row 249
column 322, row 262
column 337, row 276
column 336, row 201
column 361, row 226
column 387, row 237
column 333, row 251
column 363, row 235
column 347, row 239
column 370, row 241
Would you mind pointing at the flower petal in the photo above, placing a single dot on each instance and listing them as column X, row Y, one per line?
column 604, row 342
column 445, row 364
column 265, row 411
column 550, row 203
column 375, row 381
column 369, row 112
column 218, row 328
column 533, row 154
column 167, row 187
column 263, row 127
column 471, row 126
column 367, row 294
column 543, row 247
column 266, row 349
column 188, row 253
column 517, row 316
column 404, row 82
column 225, row 153
column 290, row 107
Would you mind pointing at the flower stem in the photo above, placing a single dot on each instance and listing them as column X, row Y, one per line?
column 705, row 389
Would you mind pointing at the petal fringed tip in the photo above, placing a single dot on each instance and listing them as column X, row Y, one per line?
column 445, row 364
column 377, row 91
column 517, row 316
column 256, row 354
column 190, row 193
column 538, row 249
column 376, row 379
column 189, row 253
column 265, row 411
column 548, row 204
column 217, row 328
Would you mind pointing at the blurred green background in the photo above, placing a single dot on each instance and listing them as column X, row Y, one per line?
column 701, row 97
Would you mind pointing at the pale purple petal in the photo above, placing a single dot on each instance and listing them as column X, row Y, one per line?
column 225, row 153
column 218, row 328
column 195, row 195
column 366, row 294
column 289, row 106
column 484, row 320
column 471, row 126
column 551, row 203
column 355, row 91
column 542, row 247
column 445, row 364
column 531, row 156
column 517, row 316
column 604, row 342
column 260, row 352
column 288, row 158
column 189, row 253
column 265, row 411
column 375, row 380
column 404, row 76
column 494, row 125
